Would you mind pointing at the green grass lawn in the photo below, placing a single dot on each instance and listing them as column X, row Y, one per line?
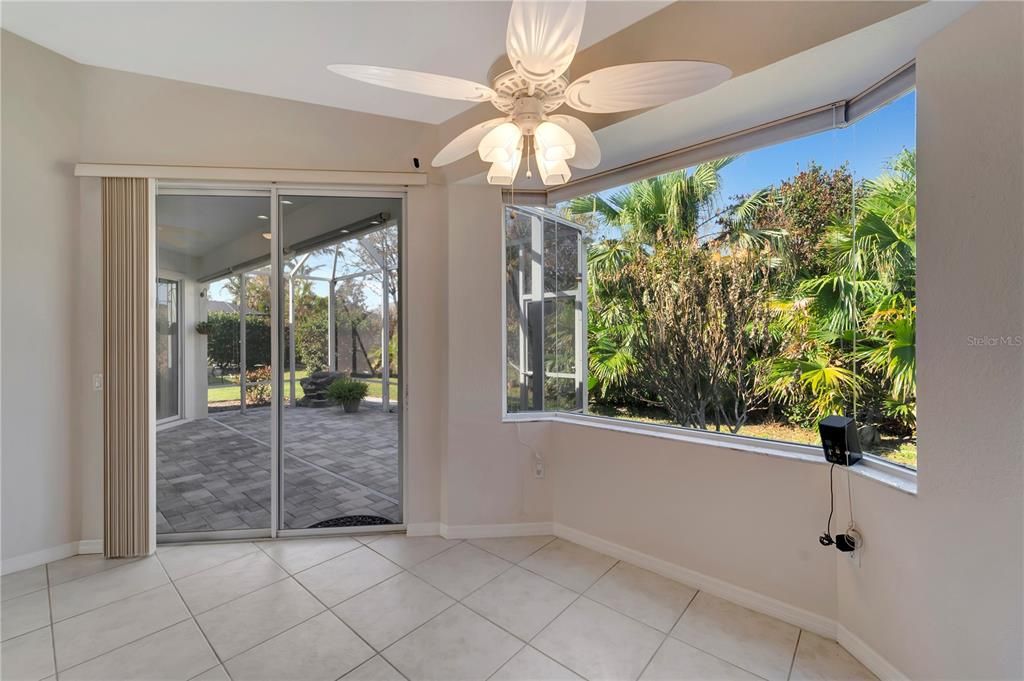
column 897, row 450
column 226, row 388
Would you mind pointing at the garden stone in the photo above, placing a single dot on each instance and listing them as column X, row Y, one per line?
column 315, row 388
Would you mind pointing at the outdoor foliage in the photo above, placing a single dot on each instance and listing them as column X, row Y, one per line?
column 257, row 386
column 222, row 344
column 347, row 390
column 311, row 339
column 790, row 303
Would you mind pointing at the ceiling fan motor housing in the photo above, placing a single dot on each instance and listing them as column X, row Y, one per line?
column 528, row 113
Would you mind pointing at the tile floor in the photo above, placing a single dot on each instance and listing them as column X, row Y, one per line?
column 389, row 607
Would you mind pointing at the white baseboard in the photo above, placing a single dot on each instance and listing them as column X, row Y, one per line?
column 878, row 665
column 44, row 556
column 498, row 530
column 423, row 529
column 90, row 546
column 799, row 617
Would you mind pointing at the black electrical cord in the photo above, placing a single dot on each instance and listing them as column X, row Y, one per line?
column 826, row 539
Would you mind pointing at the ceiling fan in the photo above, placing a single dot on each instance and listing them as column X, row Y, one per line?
column 541, row 43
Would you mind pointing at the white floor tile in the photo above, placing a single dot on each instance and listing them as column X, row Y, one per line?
column 818, row 659
column 240, row 624
column 387, row 612
column 598, row 643
column 513, row 549
column 296, row 555
column 28, row 657
column 182, row 561
column 111, row 584
column 408, row 551
column 374, row 669
column 530, row 665
column 320, row 649
column 218, row 673
column 206, row 590
column 84, row 565
column 568, row 564
column 348, row 574
column 178, row 652
column 654, row 600
column 456, row 645
column 24, row 614
column 676, row 661
column 99, row 631
column 461, row 570
column 521, row 602
column 758, row 643
column 23, row 582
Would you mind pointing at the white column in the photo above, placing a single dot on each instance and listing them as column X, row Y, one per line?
column 243, row 311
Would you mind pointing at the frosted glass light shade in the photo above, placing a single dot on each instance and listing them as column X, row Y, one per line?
column 553, row 142
column 500, row 144
column 504, row 172
column 553, row 172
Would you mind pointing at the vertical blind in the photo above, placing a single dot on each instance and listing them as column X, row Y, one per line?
column 126, row 396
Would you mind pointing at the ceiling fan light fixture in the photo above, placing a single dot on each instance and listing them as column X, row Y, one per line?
column 553, row 172
column 504, row 172
column 501, row 143
column 553, row 143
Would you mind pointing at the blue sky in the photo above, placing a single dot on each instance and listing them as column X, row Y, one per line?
column 866, row 146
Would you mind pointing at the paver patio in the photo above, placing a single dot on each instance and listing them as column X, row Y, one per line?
column 214, row 473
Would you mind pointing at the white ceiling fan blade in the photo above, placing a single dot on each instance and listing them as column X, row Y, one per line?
column 588, row 151
column 543, row 36
column 639, row 86
column 415, row 81
column 465, row 144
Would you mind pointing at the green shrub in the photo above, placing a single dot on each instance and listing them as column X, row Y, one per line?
column 311, row 341
column 257, row 387
column 346, row 390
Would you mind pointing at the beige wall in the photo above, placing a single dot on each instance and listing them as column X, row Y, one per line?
column 40, row 139
column 56, row 113
column 488, row 471
column 750, row 520
column 940, row 591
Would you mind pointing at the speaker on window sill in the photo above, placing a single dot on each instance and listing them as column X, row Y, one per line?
column 839, row 440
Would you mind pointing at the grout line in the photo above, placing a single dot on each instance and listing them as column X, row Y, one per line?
column 792, row 662
column 188, row 609
column 358, row 545
column 409, row 569
column 53, row 628
column 514, row 562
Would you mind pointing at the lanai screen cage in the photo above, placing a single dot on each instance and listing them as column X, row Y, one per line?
column 545, row 312
column 339, row 303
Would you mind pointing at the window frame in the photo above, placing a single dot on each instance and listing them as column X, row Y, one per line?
column 579, row 295
column 871, row 466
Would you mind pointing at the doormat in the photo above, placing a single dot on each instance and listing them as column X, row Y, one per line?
column 352, row 521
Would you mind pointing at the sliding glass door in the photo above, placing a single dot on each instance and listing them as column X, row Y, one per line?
column 277, row 318
column 340, row 422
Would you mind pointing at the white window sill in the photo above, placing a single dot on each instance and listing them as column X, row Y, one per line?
column 870, row 467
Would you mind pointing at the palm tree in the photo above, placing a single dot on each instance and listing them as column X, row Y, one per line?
column 863, row 309
column 662, row 210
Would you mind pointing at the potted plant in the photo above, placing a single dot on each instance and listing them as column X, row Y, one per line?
column 203, row 327
column 348, row 393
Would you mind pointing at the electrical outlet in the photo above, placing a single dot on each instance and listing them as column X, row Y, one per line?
column 538, row 469
column 97, row 382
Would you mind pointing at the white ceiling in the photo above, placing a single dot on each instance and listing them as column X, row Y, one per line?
column 281, row 49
